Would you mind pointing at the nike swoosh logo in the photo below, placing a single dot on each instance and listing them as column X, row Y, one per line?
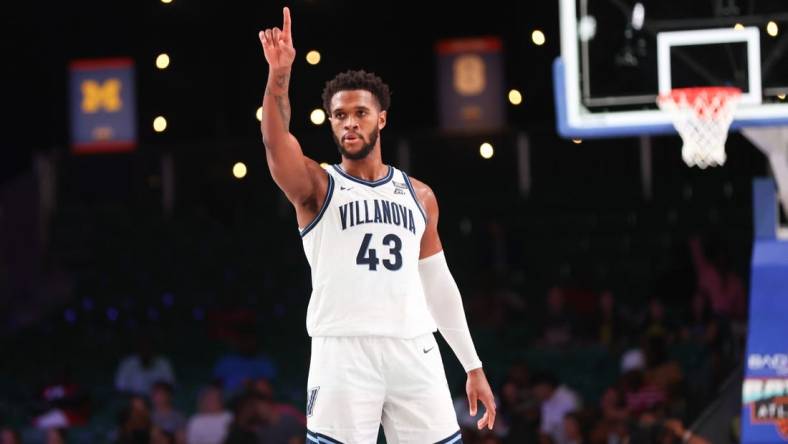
column 427, row 350
column 345, row 188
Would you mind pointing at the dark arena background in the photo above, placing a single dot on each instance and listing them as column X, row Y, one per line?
column 153, row 286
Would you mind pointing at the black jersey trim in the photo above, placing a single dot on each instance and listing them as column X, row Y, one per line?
column 372, row 183
column 455, row 438
column 413, row 193
column 317, row 218
column 320, row 438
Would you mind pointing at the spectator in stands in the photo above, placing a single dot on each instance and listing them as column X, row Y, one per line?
column 574, row 432
column 509, row 408
column 717, row 280
column 246, row 420
column 134, row 422
column 257, row 421
column 164, row 415
column 9, row 436
column 56, row 436
column 662, row 371
column 518, row 408
column 653, row 426
column 631, row 395
column 277, row 427
column 608, row 326
column 607, row 431
column 138, row 372
column 700, row 327
column 211, row 423
column 237, row 371
column 640, row 395
column 656, row 321
column 557, row 326
column 159, row 436
column 65, row 402
column 556, row 401
column 264, row 388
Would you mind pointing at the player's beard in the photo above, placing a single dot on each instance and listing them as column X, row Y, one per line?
column 367, row 148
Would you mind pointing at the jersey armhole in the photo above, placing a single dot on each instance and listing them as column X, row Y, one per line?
column 413, row 194
column 329, row 193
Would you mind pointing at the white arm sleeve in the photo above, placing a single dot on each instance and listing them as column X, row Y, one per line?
column 445, row 305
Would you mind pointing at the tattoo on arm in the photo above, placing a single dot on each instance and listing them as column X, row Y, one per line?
column 281, row 83
column 283, row 105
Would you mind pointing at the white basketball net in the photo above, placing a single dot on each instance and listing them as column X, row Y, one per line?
column 702, row 117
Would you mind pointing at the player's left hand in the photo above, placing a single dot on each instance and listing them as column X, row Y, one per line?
column 478, row 389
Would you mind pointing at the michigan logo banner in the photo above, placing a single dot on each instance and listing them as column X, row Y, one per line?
column 470, row 84
column 102, row 106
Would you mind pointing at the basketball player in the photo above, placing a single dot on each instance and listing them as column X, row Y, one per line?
column 380, row 283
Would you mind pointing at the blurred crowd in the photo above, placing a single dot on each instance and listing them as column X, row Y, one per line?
column 672, row 356
column 655, row 365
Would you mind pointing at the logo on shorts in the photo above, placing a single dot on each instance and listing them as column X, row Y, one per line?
column 427, row 350
column 310, row 400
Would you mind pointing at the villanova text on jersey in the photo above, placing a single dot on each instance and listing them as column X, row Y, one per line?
column 376, row 211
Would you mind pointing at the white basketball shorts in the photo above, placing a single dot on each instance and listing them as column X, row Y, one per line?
column 358, row 383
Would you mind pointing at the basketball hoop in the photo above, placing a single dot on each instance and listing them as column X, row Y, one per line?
column 702, row 117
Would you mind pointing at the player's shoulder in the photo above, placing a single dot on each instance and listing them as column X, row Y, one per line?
column 420, row 187
column 417, row 184
column 424, row 194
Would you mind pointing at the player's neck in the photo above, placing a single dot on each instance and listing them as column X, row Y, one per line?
column 370, row 168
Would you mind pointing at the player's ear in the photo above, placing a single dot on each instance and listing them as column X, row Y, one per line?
column 382, row 119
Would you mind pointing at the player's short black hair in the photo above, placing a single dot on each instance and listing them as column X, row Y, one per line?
column 350, row 80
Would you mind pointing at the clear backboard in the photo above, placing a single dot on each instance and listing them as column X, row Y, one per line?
column 617, row 56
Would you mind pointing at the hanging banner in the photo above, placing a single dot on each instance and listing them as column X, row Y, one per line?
column 102, row 106
column 470, row 84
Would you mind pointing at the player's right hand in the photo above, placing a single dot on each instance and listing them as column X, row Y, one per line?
column 278, row 44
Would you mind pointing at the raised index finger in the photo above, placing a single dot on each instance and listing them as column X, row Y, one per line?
column 286, row 22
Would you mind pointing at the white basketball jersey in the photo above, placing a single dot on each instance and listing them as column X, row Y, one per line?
column 363, row 248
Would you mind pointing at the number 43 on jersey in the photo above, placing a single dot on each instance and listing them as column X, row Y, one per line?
column 369, row 256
